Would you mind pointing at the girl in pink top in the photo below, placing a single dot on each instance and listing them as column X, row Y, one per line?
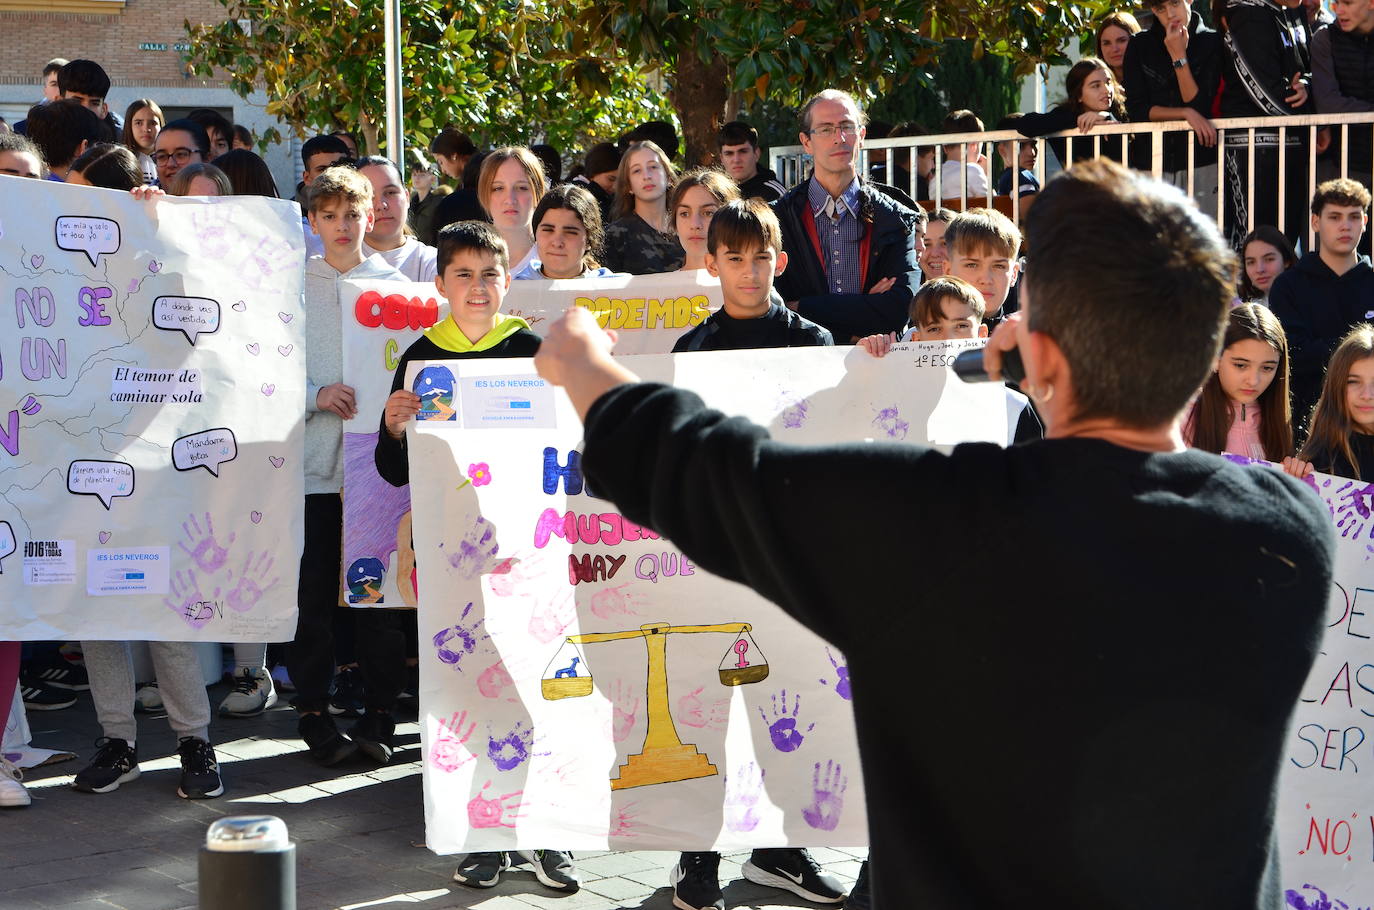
column 1243, row 407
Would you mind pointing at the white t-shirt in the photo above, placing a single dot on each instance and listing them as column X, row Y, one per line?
column 949, row 180
column 413, row 259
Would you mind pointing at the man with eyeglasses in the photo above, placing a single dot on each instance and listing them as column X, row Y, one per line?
column 851, row 262
column 180, row 143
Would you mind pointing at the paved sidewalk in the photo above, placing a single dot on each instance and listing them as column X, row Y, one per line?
column 359, row 831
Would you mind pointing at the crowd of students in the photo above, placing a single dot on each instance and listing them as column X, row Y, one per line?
column 837, row 259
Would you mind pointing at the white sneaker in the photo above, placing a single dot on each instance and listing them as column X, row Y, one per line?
column 13, row 793
column 148, row 698
column 253, row 694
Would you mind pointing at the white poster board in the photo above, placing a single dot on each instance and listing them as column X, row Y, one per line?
column 383, row 318
column 153, row 384
column 585, row 685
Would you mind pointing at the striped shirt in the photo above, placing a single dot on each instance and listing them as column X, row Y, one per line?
column 840, row 236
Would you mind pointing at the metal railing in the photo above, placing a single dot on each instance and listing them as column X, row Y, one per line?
column 791, row 163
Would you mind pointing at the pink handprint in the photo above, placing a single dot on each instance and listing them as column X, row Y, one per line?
column 494, row 812
column 189, row 603
column 494, row 680
column 205, row 551
column 246, row 594
column 616, row 601
column 551, row 618
column 743, row 789
column 512, row 575
column 827, row 796
column 449, row 751
column 625, row 707
column 694, row 712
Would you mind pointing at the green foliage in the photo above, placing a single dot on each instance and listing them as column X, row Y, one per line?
column 471, row 64
column 989, row 87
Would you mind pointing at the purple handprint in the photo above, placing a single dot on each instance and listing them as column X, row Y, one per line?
column 743, row 789
column 891, row 422
column 795, row 415
column 205, row 551
column 827, row 796
column 459, row 640
column 511, row 750
column 842, row 673
column 475, row 550
column 1320, row 902
column 246, row 594
column 783, row 730
column 189, row 603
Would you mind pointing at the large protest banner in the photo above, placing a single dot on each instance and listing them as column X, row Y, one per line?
column 1326, row 804
column 153, row 381
column 382, row 318
column 586, row 686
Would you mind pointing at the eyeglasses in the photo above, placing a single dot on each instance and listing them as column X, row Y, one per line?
column 829, row 131
column 181, row 156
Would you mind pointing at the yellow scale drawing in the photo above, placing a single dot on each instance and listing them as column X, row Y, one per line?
column 664, row 758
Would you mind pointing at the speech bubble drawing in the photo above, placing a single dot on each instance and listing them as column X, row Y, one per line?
column 207, row 449
column 89, row 235
column 105, row 480
column 7, row 545
column 191, row 316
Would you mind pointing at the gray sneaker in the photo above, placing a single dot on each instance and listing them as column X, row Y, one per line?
column 553, row 868
column 253, row 694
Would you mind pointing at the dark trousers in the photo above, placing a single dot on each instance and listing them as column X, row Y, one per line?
column 1265, row 202
column 310, row 659
column 385, row 640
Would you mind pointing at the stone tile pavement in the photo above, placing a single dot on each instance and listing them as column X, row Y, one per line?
column 358, row 830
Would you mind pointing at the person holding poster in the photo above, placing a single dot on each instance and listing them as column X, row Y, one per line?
column 567, row 236
column 1093, row 707
column 1342, row 436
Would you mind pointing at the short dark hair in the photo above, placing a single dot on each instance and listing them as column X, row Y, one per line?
column 552, row 161
column 602, row 157
column 1139, row 332
column 84, row 76
column 111, row 166
column 54, row 66
column 830, row 94
column 213, row 120
column 464, row 236
column 345, row 134
column 243, row 134
column 192, row 129
column 583, row 204
column 1341, row 191
column 737, row 132
column 18, row 142
column 376, row 161
column 928, row 304
column 744, row 224
column 59, row 128
column 659, row 132
column 318, row 145
column 941, row 214
column 962, row 121
column 248, row 174
column 452, row 142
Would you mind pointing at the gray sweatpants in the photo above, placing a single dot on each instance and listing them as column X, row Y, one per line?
column 110, row 666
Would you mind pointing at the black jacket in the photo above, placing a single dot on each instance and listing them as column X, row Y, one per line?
column 891, row 254
column 1267, row 47
column 764, row 184
column 1137, row 662
column 777, row 328
column 1152, row 81
column 1317, row 307
column 1343, row 83
column 1082, row 147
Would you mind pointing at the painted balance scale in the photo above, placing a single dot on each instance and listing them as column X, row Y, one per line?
column 665, row 758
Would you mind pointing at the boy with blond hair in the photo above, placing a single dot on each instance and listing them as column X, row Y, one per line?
column 984, row 250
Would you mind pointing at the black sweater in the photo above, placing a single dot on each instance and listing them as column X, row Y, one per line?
column 1097, row 724
column 777, row 328
column 1152, row 81
column 1317, row 308
column 390, row 454
column 1266, row 47
column 1362, row 444
column 1081, row 147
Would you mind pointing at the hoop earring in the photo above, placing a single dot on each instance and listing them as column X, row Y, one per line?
column 1038, row 398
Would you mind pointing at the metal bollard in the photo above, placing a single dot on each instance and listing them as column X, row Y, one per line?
column 247, row 861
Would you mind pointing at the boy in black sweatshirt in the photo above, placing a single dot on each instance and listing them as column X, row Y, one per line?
column 474, row 275
column 744, row 250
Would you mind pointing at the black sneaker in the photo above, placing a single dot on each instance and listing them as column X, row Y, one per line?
column 696, row 882
column 58, row 674
column 859, row 898
column 199, row 770
column 38, row 697
column 115, row 763
column 327, row 745
column 553, row 868
column 481, row 870
column 348, row 692
column 373, row 733
column 793, row 869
